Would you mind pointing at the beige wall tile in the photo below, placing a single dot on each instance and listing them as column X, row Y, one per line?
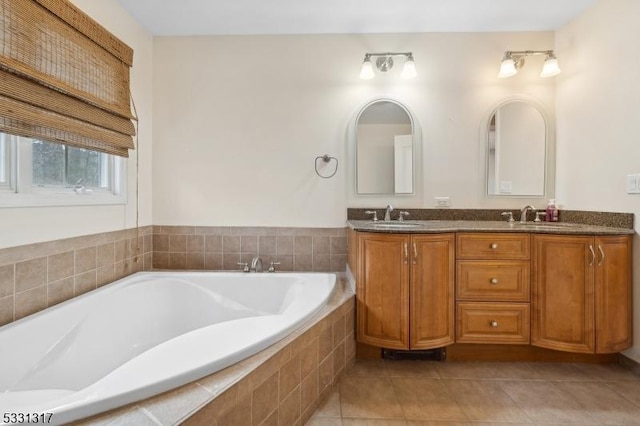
column 338, row 331
column 230, row 244
column 61, row 265
column 30, row 301
column 240, row 414
column 195, row 261
column 338, row 359
column 290, row 408
column 264, row 399
column 289, row 376
column 177, row 260
column 325, row 374
column 6, row 310
column 302, row 262
column 267, row 244
column 177, row 243
column 272, row 419
column 321, row 262
column 321, row 245
column 213, row 261
column 286, row 262
column 147, row 243
column 30, row 274
column 309, row 390
column 160, row 242
column 213, row 244
column 325, row 342
column 249, row 244
column 147, row 261
column 105, row 275
column 338, row 245
column 195, row 243
column 85, row 282
column 106, row 254
column 7, row 277
column 303, row 244
column 284, row 244
column 86, row 259
column 161, row 260
column 59, row 291
column 338, row 262
column 121, row 250
column 230, row 261
column 309, row 358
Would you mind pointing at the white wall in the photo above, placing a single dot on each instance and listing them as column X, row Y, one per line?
column 238, row 121
column 20, row 226
column 598, row 102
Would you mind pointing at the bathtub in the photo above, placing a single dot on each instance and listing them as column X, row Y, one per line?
column 143, row 335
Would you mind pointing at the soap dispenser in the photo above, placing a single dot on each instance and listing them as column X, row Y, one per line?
column 552, row 211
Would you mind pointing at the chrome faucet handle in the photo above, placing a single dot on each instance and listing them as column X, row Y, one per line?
column 538, row 215
column 272, row 266
column 245, row 266
column 374, row 213
column 401, row 216
column 509, row 216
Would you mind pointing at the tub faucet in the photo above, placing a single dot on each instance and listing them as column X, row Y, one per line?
column 256, row 264
column 387, row 213
column 523, row 212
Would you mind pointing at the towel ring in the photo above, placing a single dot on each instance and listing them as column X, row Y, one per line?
column 326, row 158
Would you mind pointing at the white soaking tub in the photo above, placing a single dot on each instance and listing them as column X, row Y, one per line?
column 145, row 334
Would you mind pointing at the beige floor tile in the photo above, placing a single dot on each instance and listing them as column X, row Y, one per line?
column 330, row 407
column 324, row 421
column 485, row 401
column 374, row 422
column 608, row 372
column 369, row 397
column 601, row 403
column 411, row 368
column 487, row 370
column 560, row 371
column 544, row 403
column 629, row 390
column 427, row 399
column 367, row 367
column 439, row 423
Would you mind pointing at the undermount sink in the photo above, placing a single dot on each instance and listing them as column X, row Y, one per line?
column 396, row 225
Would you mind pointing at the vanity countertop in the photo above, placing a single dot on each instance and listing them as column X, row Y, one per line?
column 436, row 226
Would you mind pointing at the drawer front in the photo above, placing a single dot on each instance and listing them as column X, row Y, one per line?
column 486, row 280
column 493, row 246
column 501, row 323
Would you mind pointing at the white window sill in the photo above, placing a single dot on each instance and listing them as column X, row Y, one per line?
column 58, row 199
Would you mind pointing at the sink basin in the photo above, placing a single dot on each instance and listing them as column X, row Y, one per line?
column 546, row 224
column 396, row 225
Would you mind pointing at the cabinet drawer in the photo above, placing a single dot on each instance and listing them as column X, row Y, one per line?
column 493, row 246
column 502, row 323
column 486, row 280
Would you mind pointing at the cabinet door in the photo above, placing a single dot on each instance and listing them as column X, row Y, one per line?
column 563, row 293
column 613, row 294
column 383, row 290
column 432, row 291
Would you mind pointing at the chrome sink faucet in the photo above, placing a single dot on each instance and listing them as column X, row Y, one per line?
column 523, row 212
column 256, row 264
column 387, row 213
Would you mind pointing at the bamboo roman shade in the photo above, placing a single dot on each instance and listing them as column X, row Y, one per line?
column 63, row 77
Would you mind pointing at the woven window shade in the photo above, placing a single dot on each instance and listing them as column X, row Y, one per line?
column 63, row 77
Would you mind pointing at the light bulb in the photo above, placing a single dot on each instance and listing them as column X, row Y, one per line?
column 507, row 67
column 550, row 67
column 409, row 68
column 366, row 72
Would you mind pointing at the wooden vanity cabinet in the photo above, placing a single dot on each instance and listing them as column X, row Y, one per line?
column 405, row 290
column 581, row 293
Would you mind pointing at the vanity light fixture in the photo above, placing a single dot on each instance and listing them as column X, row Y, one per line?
column 384, row 63
column 513, row 60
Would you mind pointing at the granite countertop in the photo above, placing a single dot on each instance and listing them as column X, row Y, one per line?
column 436, row 226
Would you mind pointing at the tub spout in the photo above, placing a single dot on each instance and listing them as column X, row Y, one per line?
column 256, row 264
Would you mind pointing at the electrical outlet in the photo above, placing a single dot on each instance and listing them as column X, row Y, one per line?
column 442, row 201
column 633, row 184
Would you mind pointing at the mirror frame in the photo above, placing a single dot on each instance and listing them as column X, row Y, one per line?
column 549, row 154
column 414, row 150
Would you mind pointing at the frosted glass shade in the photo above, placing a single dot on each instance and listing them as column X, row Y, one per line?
column 409, row 69
column 507, row 68
column 366, row 73
column 550, row 67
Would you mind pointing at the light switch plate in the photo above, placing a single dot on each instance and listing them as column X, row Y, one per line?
column 633, row 184
column 442, row 201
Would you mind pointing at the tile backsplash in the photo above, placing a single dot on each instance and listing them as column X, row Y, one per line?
column 36, row 276
column 222, row 248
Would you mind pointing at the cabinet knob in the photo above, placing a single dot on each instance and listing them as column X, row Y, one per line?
column 493, row 323
column 493, row 246
column 493, row 281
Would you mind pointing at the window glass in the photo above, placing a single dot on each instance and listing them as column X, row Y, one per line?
column 4, row 160
column 56, row 165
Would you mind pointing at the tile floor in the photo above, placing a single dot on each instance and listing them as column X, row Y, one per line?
column 412, row 393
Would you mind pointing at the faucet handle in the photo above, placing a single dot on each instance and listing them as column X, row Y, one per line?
column 538, row 215
column 272, row 266
column 401, row 216
column 509, row 216
column 244, row 265
column 374, row 213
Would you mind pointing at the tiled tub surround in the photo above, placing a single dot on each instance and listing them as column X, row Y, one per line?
column 36, row 276
column 282, row 385
column 221, row 248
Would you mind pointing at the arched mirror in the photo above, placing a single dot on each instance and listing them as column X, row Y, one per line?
column 517, row 151
column 385, row 149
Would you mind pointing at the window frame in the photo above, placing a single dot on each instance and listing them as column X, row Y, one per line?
column 5, row 162
column 22, row 193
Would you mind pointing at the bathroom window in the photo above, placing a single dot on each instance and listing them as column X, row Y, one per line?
column 52, row 174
